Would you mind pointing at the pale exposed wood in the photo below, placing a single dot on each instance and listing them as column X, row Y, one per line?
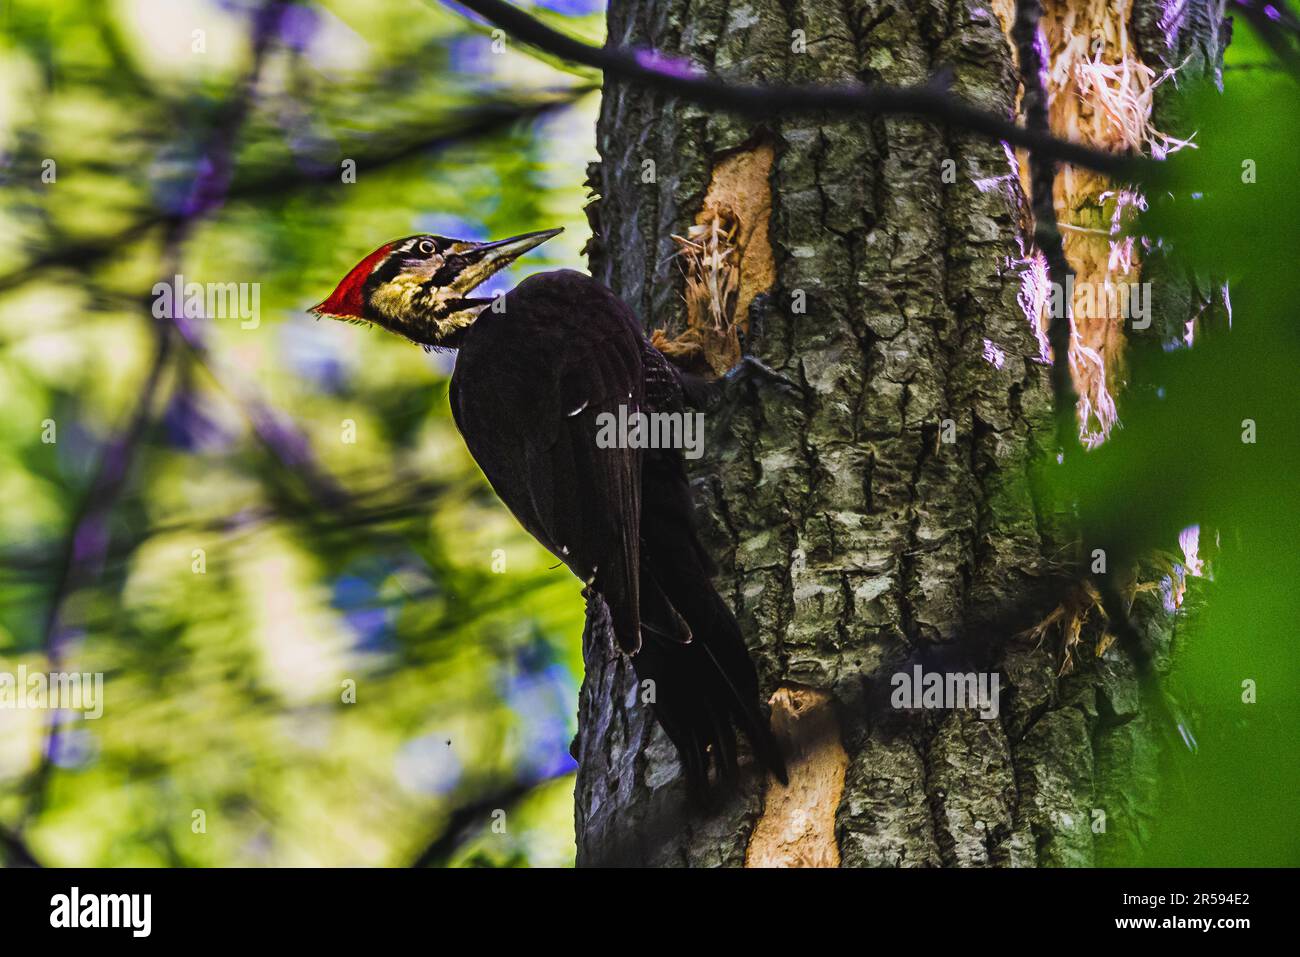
column 741, row 183
column 727, row 257
column 1101, row 94
column 797, row 827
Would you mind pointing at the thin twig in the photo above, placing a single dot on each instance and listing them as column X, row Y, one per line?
column 14, row 851
column 485, row 120
column 1274, row 32
column 464, row 819
column 1281, row 15
column 679, row 78
column 87, row 543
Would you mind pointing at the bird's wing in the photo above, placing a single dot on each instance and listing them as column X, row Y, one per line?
column 532, row 391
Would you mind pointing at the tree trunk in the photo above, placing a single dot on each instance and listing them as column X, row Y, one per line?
column 893, row 517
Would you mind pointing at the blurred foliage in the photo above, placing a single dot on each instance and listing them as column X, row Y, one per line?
column 1210, row 439
column 225, row 687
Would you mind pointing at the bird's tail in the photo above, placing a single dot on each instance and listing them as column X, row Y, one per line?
column 703, row 678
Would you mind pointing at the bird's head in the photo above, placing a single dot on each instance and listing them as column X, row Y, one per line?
column 419, row 287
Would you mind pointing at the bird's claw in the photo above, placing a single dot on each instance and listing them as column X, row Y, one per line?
column 753, row 369
column 748, row 369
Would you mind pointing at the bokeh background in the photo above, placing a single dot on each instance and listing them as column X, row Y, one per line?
column 346, row 535
column 322, row 637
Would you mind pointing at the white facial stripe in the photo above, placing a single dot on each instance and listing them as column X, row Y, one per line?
column 408, row 306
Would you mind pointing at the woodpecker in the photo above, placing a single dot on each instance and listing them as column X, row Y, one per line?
column 533, row 376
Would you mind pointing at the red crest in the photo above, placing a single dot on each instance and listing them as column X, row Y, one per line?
column 348, row 300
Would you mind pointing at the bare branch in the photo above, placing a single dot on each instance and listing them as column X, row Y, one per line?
column 87, row 544
column 14, row 851
column 1278, row 30
column 483, row 120
column 468, row 817
column 681, row 79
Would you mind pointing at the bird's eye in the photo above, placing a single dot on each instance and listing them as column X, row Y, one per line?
column 427, row 247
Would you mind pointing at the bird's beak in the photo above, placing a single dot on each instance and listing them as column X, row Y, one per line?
column 485, row 259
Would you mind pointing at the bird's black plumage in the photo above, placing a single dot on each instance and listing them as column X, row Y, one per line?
column 530, row 384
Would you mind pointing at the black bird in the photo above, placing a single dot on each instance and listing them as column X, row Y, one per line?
column 536, row 372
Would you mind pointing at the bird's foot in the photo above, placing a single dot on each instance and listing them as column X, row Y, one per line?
column 721, row 395
column 753, row 369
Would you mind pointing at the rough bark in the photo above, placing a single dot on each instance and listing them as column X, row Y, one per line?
column 853, row 541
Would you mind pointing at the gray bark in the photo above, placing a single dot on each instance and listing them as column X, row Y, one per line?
column 853, row 543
